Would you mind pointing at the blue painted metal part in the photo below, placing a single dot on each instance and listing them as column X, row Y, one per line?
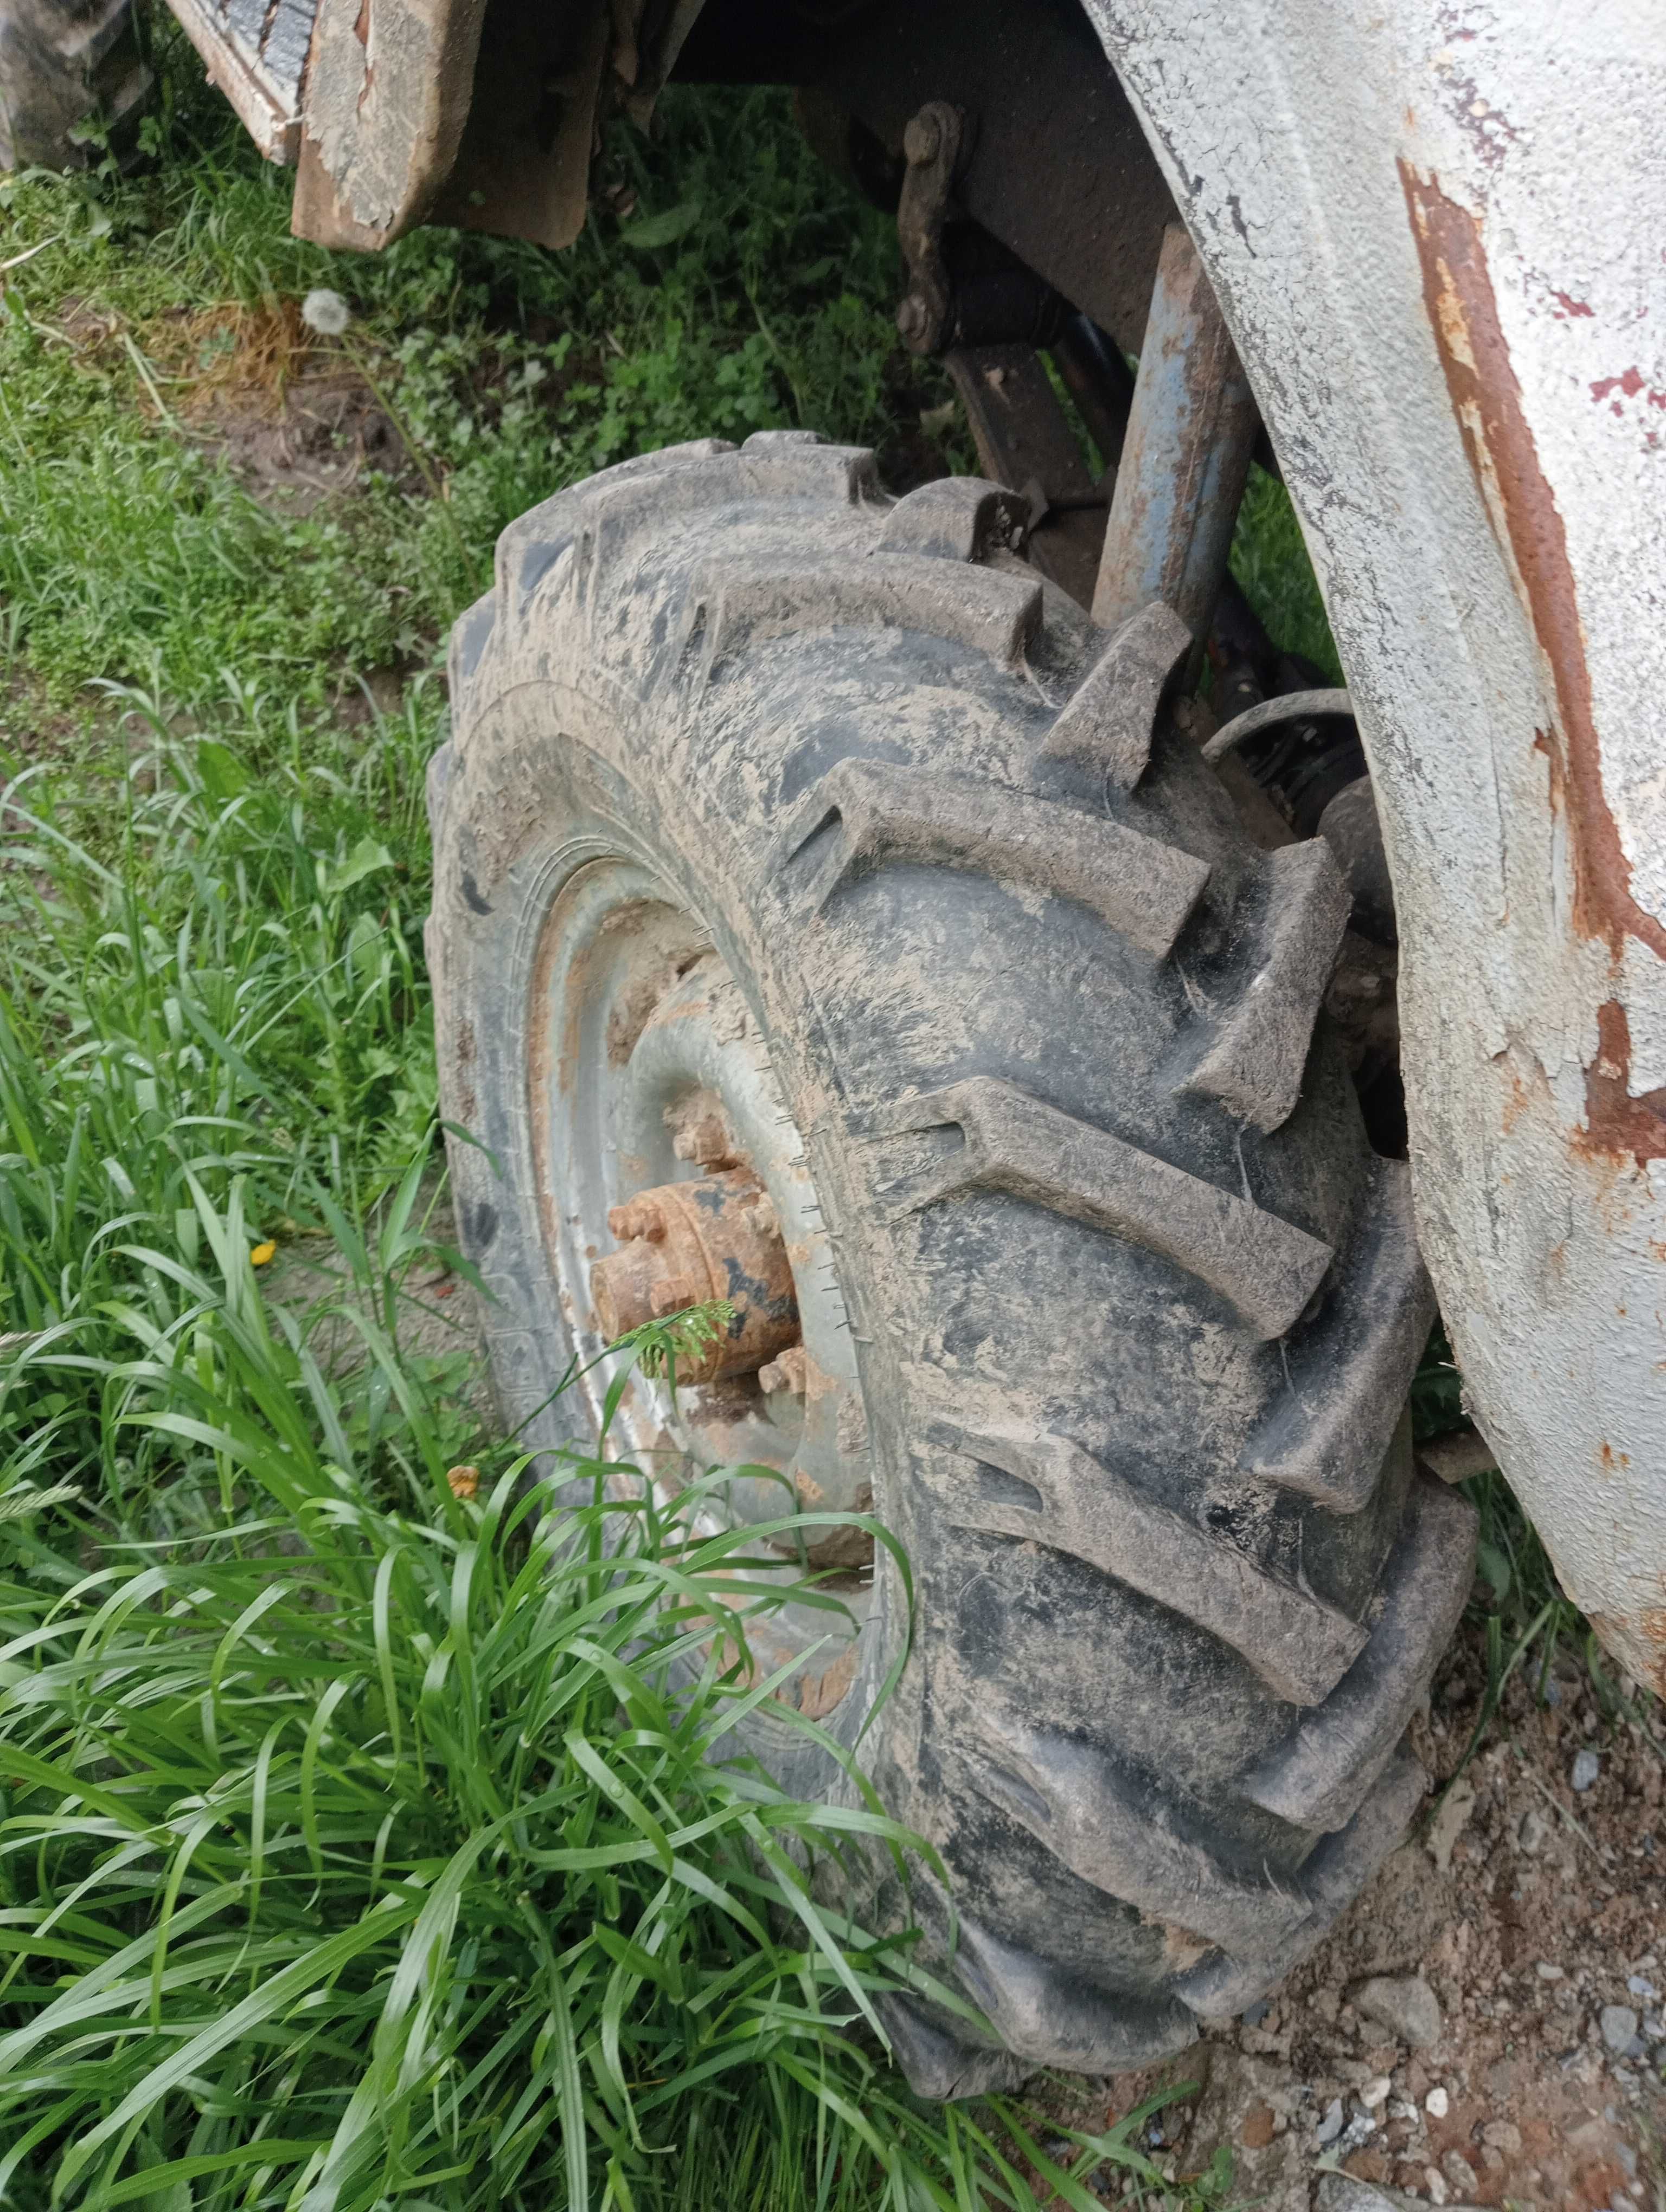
column 1185, row 457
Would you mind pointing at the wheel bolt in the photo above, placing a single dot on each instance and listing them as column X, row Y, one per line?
column 638, row 1216
column 789, row 1370
column 911, row 319
column 706, row 1141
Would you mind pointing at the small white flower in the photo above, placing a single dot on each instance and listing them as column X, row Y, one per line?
column 327, row 313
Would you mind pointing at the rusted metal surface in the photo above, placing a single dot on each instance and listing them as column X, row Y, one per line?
column 788, row 1371
column 1486, row 401
column 964, row 288
column 1445, row 277
column 685, row 1243
column 1618, row 1119
column 1055, row 166
column 1185, row 455
column 641, row 1056
column 931, row 148
column 1022, row 437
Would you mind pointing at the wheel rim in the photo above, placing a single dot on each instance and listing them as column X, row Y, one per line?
column 644, row 1054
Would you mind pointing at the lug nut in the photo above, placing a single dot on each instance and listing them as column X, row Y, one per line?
column 670, row 1296
column 706, row 1141
column 788, row 1371
column 912, row 318
column 638, row 1216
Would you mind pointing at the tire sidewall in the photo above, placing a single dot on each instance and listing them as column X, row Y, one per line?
column 549, row 775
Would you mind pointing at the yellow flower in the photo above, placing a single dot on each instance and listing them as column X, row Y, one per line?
column 262, row 1253
column 463, row 1480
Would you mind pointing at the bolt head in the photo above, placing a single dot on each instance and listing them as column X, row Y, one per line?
column 789, row 1370
column 670, row 1296
column 706, row 1140
column 638, row 1216
column 921, row 140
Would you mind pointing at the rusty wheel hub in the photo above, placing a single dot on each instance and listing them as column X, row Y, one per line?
column 686, row 1242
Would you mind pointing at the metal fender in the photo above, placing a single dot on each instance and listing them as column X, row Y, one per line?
column 1438, row 229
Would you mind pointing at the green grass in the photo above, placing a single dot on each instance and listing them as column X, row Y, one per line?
column 743, row 287
column 766, row 301
column 1270, row 562
column 357, row 1846
column 363, row 1850
column 352, row 1846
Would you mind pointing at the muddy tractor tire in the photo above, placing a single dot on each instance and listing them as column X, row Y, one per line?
column 64, row 64
column 798, row 836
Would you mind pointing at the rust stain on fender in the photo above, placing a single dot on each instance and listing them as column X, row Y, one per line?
column 1486, row 398
column 1640, row 1640
column 1618, row 1121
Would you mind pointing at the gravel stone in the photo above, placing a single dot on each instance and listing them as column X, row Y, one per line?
column 1342, row 2192
column 1618, row 2026
column 1436, row 2104
column 1459, row 2172
column 1547, row 1972
column 1404, row 2004
column 1357, row 2134
column 1586, row 1768
column 1331, row 2126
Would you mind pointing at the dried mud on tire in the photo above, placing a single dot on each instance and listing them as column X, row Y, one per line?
column 1136, row 1306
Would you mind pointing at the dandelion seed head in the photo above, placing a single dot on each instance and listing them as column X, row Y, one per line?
column 325, row 311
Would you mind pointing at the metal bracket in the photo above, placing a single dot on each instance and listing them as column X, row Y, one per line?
column 932, row 146
column 1025, row 440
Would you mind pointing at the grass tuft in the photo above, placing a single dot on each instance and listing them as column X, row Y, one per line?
column 357, row 1840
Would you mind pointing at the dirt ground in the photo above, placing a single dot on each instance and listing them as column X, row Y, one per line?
column 1520, row 1933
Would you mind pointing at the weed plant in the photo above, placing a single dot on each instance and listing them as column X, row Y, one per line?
column 355, row 1847
column 726, row 282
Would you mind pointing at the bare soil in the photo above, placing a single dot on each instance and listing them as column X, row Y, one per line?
column 1526, row 1908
